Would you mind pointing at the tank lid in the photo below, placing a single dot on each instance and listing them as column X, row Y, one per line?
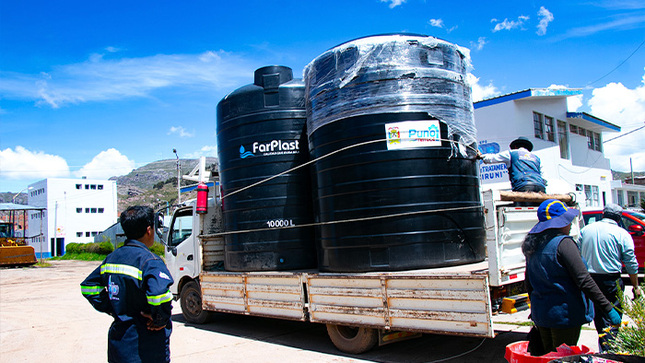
column 272, row 76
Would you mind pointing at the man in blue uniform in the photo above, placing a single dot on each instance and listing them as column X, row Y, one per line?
column 523, row 166
column 132, row 285
column 607, row 247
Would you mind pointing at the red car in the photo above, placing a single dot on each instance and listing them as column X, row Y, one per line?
column 633, row 222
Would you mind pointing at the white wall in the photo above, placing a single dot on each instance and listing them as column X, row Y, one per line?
column 502, row 123
column 96, row 199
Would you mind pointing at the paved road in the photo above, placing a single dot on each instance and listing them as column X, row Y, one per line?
column 44, row 318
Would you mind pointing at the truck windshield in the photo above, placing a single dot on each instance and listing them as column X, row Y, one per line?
column 182, row 228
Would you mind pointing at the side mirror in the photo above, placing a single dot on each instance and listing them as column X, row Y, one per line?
column 159, row 226
column 172, row 250
column 635, row 229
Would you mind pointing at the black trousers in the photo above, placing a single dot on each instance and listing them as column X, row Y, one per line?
column 554, row 337
column 609, row 285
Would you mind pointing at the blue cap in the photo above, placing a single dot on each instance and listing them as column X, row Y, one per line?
column 552, row 213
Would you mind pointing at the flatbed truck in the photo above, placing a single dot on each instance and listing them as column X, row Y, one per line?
column 360, row 310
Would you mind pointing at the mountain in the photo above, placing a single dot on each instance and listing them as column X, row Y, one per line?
column 619, row 175
column 155, row 184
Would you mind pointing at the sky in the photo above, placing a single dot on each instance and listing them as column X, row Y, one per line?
column 98, row 88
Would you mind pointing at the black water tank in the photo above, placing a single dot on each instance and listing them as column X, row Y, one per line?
column 260, row 134
column 396, row 187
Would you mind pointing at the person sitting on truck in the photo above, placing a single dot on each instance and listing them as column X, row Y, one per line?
column 523, row 166
column 606, row 247
column 560, row 288
column 132, row 285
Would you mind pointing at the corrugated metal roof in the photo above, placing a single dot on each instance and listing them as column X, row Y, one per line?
column 528, row 93
column 598, row 121
column 13, row 207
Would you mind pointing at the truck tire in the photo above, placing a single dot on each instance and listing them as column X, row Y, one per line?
column 353, row 340
column 191, row 304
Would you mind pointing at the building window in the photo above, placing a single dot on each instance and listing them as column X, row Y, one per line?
column 593, row 140
column 538, row 125
column 94, row 234
column 563, row 139
column 101, row 210
column 100, row 186
column 592, row 194
column 597, row 143
column 79, row 210
column 79, row 234
column 93, row 186
column 87, row 186
column 79, row 186
column 92, row 210
column 87, row 210
column 87, row 234
column 582, row 132
column 632, row 199
column 573, row 129
column 550, row 131
column 620, row 197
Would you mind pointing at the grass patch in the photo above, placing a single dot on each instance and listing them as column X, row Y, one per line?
column 82, row 256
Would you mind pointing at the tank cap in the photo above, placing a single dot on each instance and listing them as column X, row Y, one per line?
column 272, row 76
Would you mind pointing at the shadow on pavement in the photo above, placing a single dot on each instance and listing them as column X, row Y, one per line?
column 313, row 337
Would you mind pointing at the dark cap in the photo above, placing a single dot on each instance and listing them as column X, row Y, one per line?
column 521, row 142
column 613, row 211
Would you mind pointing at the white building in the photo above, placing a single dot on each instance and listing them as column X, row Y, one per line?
column 569, row 144
column 77, row 210
column 627, row 194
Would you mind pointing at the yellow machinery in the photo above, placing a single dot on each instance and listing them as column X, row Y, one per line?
column 14, row 249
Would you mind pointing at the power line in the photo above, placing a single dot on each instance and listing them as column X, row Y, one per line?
column 618, row 66
column 625, row 134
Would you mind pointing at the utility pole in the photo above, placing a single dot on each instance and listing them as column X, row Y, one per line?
column 178, row 177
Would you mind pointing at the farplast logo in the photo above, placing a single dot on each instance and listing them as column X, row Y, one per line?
column 274, row 147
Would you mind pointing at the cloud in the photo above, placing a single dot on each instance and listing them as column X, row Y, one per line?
column 620, row 22
column 21, row 163
column 479, row 44
column 624, row 107
column 204, row 151
column 99, row 79
column 545, row 17
column 179, row 130
column 574, row 103
column 438, row 23
column 393, row 3
column 481, row 92
column 509, row 25
column 106, row 164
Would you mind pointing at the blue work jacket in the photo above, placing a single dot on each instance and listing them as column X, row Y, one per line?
column 131, row 281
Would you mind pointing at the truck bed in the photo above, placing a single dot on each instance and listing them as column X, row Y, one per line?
column 449, row 300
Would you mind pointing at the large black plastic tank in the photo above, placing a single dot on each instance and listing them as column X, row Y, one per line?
column 396, row 187
column 260, row 134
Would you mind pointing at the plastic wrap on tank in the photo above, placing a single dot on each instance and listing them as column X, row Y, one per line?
column 392, row 73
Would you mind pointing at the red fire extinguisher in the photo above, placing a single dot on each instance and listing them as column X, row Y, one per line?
column 202, row 198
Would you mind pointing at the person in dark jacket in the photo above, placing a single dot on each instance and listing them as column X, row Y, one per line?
column 132, row 285
column 524, row 169
column 560, row 288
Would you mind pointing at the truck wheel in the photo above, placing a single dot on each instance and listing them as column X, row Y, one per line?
column 351, row 339
column 191, row 304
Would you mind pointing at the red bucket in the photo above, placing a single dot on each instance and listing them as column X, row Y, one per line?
column 516, row 353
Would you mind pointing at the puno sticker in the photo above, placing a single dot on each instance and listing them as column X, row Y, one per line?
column 412, row 134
